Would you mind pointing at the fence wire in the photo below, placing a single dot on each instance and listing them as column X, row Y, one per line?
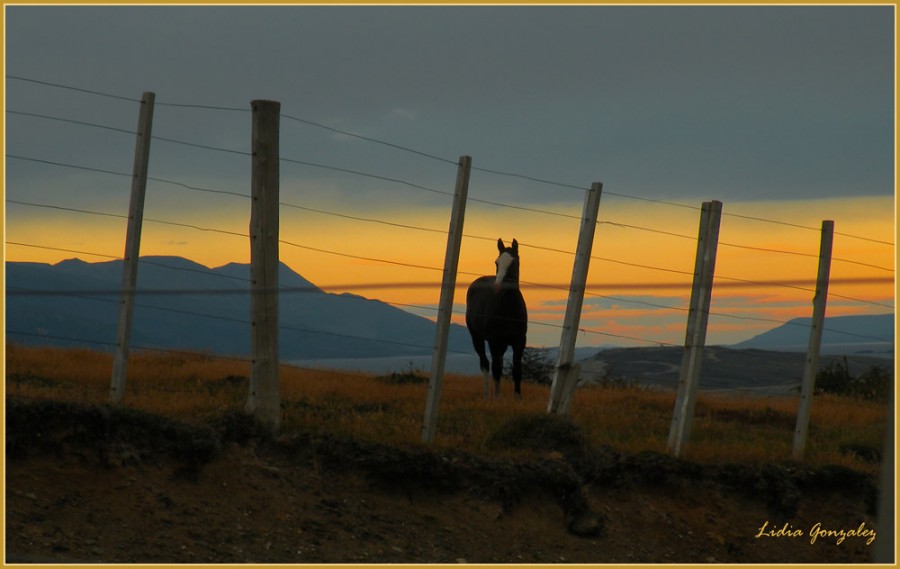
column 722, row 281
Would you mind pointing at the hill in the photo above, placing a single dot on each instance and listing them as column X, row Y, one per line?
column 205, row 309
column 762, row 372
column 865, row 334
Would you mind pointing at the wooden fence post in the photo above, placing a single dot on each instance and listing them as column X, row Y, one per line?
column 445, row 310
column 132, row 248
column 566, row 376
column 811, row 366
column 698, row 318
column 264, row 398
column 886, row 521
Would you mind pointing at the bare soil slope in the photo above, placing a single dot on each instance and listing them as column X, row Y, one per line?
column 93, row 484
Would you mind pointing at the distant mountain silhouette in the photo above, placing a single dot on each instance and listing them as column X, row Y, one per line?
column 210, row 311
column 864, row 334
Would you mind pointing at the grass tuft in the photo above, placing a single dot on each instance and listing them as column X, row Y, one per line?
column 539, row 433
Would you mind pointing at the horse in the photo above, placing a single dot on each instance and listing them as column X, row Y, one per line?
column 496, row 314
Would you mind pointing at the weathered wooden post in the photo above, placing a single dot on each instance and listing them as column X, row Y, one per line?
column 264, row 398
column 567, row 372
column 698, row 318
column 887, row 521
column 883, row 552
column 132, row 248
column 811, row 366
column 445, row 310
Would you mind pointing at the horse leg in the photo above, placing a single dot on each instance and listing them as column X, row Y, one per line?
column 518, row 350
column 497, row 351
column 483, row 362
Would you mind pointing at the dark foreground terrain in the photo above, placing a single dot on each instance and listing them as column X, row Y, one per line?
column 91, row 484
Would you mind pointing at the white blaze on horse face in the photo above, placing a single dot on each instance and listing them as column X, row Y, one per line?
column 504, row 261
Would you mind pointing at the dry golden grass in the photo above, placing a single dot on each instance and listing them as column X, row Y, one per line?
column 198, row 387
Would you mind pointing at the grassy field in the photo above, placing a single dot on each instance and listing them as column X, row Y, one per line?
column 199, row 388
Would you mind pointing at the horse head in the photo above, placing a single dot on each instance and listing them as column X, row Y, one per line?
column 507, row 266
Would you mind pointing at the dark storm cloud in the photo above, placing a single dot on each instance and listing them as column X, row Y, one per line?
column 683, row 103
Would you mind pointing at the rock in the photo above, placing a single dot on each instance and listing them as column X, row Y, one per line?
column 586, row 525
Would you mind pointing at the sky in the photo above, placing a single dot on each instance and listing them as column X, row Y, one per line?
column 781, row 113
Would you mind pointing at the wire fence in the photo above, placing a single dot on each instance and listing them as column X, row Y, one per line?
column 661, row 274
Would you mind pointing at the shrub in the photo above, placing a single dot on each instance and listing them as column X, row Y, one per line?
column 541, row 433
column 537, row 366
column 412, row 375
column 835, row 378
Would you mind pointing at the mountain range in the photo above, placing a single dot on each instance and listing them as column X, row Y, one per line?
column 187, row 306
column 77, row 304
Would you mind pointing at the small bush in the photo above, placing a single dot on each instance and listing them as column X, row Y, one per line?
column 874, row 384
column 537, row 366
column 411, row 375
column 541, row 433
column 835, row 378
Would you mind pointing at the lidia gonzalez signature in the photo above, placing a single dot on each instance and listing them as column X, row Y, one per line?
column 816, row 532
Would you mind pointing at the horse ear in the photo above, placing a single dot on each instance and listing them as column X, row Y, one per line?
column 515, row 246
column 500, row 245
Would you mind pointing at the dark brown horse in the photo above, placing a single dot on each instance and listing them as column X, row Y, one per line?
column 496, row 314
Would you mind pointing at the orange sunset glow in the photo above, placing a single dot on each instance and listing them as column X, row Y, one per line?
column 640, row 272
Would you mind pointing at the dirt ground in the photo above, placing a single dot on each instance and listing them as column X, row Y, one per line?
column 92, row 485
